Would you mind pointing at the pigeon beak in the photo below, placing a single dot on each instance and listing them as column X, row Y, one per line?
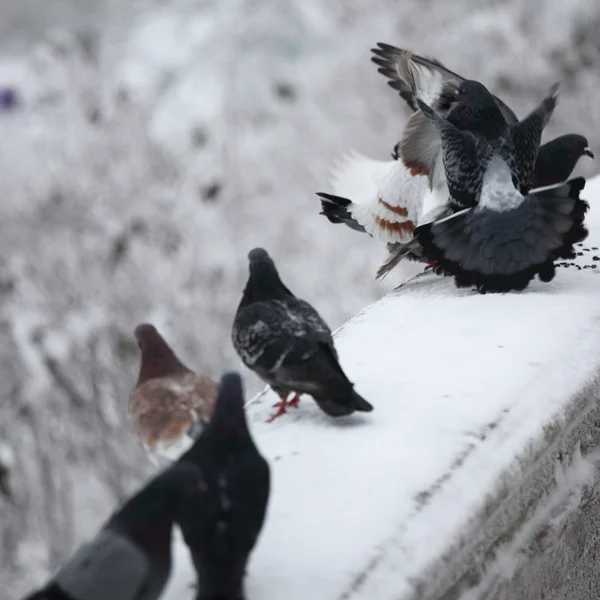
column 589, row 153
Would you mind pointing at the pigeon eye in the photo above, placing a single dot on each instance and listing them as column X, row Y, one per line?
column 574, row 144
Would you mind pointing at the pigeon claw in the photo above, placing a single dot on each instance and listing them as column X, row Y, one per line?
column 294, row 401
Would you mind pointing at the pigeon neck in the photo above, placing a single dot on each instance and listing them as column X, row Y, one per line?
column 160, row 361
column 229, row 420
column 148, row 523
column 156, row 540
column 264, row 286
column 486, row 120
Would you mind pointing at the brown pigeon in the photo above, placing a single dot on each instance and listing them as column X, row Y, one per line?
column 170, row 404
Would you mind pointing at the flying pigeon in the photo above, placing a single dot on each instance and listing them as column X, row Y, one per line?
column 288, row 345
column 500, row 236
column 170, row 404
column 223, row 529
column 387, row 200
column 130, row 557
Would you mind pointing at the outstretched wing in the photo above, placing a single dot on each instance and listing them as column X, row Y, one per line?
column 386, row 199
column 527, row 136
column 392, row 63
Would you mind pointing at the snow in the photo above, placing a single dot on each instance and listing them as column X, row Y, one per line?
column 464, row 388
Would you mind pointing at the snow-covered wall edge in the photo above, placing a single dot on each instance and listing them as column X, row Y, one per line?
column 476, row 474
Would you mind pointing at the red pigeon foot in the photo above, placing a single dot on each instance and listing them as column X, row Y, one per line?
column 294, row 401
column 280, row 410
column 430, row 265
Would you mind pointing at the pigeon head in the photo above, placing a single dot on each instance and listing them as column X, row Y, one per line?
column 158, row 359
column 264, row 282
column 151, row 512
column 229, row 417
column 476, row 108
column 571, row 145
column 558, row 157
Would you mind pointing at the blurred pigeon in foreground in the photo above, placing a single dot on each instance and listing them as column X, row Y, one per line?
column 222, row 531
column 130, row 558
column 170, row 404
column 288, row 345
column 498, row 239
column 387, row 199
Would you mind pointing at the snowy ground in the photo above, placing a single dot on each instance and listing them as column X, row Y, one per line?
column 145, row 161
column 465, row 388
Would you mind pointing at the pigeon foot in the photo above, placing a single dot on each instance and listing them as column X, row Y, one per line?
column 280, row 406
column 294, row 401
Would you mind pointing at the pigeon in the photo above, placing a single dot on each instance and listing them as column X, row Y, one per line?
column 130, row 557
column 500, row 235
column 388, row 196
column 288, row 345
column 170, row 404
column 557, row 159
column 223, row 529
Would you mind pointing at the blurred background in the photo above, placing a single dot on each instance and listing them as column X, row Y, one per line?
column 146, row 147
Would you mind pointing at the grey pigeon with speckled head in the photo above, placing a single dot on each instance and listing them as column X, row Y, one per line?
column 286, row 342
column 500, row 237
column 223, row 529
column 130, row 558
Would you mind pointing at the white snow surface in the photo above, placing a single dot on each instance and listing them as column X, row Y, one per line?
column 462, row 385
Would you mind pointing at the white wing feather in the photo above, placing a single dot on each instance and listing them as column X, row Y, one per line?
column 376, row 188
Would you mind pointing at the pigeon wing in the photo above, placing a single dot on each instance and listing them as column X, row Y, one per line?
column 386, row 198
column 110, row 566
column 391, row 62
column 527, row 135
column 267, row 333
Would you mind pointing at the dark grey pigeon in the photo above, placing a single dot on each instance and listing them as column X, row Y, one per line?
column 499, row 238
column 475, row 132
column 130, row 558
column 288, row 345
column 222, row 531
column 557, row 159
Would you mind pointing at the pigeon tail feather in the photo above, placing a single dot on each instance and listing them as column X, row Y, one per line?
column 500, row 251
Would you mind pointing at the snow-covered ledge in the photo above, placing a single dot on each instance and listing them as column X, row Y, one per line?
column 474, row 477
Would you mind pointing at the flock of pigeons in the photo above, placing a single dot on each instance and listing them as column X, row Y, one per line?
column 470, row 192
